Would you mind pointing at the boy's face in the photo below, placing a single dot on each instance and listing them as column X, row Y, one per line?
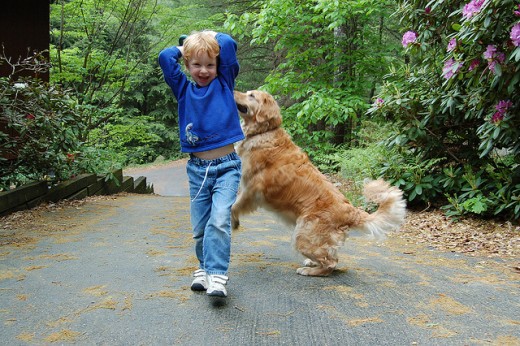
column 203, row 69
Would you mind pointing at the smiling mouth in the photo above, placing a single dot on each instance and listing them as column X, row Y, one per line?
column 242, row 108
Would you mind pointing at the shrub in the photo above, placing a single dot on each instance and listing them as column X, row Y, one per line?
column 366, row 159
column 40, row 127
column 456, row 104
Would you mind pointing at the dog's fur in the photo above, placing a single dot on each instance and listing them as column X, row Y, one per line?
column 278, row 176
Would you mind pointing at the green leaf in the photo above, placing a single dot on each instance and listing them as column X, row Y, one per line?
column 515, row 55
column 496, row 132
column 487, row 22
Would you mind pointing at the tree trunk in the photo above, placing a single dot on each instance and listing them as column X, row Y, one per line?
column 343, row 70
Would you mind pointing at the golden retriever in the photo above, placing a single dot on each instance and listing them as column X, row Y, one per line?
column 278, row 176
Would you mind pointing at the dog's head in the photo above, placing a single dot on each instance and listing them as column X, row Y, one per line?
column 259, row 111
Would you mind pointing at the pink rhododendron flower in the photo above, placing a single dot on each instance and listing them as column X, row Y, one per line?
column 428, row 10
column 474, row 64
column 492, row 66
column 379, row 102
column 490, row 52
column 517, row 13
column 494, row 57
column 452, row 45
column 515, row 34
column 497, row 117
column 472, row 7
column 30, row 116
column 451, row 67
column 501, row 107
column 408, row 38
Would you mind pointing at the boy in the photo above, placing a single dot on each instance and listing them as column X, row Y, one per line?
column 209, row 125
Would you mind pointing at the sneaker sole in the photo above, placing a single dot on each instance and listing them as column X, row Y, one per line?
column 198, row 287
column 217, row 294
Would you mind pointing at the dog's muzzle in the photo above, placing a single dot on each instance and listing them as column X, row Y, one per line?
column 242, row 108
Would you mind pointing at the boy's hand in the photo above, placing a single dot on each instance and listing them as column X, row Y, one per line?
column 181, row 39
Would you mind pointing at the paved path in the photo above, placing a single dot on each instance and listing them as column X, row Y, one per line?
column 117, row 272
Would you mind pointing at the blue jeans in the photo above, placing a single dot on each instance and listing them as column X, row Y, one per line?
column 213, row 190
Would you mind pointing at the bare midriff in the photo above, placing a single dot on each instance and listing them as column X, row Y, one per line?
column 215, row 153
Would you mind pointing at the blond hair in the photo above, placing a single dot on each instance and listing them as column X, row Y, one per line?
column 200, row 42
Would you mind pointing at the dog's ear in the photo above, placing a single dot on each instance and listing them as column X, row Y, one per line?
column 269, row 112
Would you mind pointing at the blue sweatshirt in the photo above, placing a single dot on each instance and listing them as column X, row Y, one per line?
column 208, row 116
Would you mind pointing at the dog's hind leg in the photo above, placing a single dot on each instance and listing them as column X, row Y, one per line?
column 319, row 249
column 323, row 261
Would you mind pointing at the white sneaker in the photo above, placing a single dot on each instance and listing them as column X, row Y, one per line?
column 199, row 282
column 216, row 285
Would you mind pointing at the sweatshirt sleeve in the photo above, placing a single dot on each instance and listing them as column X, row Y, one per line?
column 228, row 63
column 173, row 75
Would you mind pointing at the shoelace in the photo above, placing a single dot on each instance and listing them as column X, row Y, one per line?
column 202, row 185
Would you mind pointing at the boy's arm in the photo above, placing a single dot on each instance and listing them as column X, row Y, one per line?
column 173, row 75
column 228, row 63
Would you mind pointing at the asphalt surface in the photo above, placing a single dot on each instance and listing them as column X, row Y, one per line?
column 116, row 271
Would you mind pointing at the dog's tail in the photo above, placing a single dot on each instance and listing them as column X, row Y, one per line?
column 391, row 209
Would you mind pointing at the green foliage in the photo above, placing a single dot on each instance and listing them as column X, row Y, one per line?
column 456, row 106
column 483, row 192
column 96, row 47
column 40, row 126
column 107, row 104
column 333, row 106
column 134, row 139
column 414, row 175
column 328, row 57
column 364, row 161
column 451, row 93
column 106, row 52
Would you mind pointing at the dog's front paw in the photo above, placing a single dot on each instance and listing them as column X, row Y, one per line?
column 309, row 263
column 303, row 271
